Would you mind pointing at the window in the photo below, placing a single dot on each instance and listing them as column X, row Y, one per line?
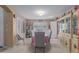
column 61, row 25
column 74, row 24
column 68, row 25
column 40, row 26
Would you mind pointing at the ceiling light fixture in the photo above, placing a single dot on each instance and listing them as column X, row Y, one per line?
column 40, row 12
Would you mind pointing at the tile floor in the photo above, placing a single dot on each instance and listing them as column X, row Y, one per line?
column 56, row 47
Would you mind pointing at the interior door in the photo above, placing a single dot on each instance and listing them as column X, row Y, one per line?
column 54, row 29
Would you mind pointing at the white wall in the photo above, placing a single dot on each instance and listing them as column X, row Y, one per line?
column 54, row 29
column 1, row 27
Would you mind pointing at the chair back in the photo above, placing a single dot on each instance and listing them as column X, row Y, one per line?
column 39, row 39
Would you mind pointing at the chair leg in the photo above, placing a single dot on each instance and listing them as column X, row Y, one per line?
column 40, row 48
column 44, row 50
column 23, row 41
column 35, row 49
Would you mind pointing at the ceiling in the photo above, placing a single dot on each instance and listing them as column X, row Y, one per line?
column 29, row 11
